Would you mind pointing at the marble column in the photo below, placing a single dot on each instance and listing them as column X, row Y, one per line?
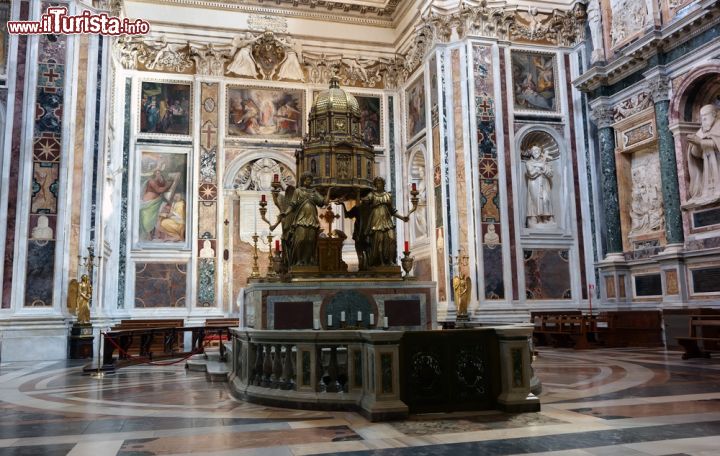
column 603, row 117
column 660, row 93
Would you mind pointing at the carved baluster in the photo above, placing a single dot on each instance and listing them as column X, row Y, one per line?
column 277, row 369
column 288, row 374
column 267, row 366
column 333, row 370
column 257, row 375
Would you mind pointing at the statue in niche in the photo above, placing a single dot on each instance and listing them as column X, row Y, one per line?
column 646, row 211
column 380, row 227
column 303, row 221
column 243, row 63
column 703, row 162
column 596, row 31
column 539, row 175
column 421, row 214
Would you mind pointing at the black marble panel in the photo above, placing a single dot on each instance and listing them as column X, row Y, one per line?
column 648, row 285
column 494, row 286
column 293, row 315
column 706, row 218
column 403, row 312
column 706, row 280
column 39, row 277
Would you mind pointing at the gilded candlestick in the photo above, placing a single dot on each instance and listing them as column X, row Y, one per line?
column 256, row 268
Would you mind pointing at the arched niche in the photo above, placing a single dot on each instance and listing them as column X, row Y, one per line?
column 700, row 87
column 417, row 173
column 542, row 199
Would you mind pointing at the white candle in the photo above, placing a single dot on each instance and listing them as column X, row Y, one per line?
column 316, row 323
column 359, row 316
column 342, row 316
column 372, row 319
column 329, row 320
column 385, row 322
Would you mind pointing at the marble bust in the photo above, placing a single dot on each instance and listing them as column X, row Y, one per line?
column 207, row 250
column 491, row 238
column 42, row 231
column 702, row 159
column 539, row 176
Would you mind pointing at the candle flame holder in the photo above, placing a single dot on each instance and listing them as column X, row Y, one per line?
column 256, row 267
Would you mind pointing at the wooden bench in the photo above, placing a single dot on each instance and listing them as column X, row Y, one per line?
column 148, row 341
column 559, row 330
column 704, row 329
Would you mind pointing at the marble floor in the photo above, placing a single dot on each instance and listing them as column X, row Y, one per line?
column 595, row 402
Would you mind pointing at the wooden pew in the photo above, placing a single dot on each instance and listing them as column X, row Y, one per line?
column 562, row 330
column 147, row 342
column 704, row 329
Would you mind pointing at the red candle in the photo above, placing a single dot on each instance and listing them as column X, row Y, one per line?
column 407, row 246
column 277, row 246
column 276, row 178
column 262, row 198
column 414, row 187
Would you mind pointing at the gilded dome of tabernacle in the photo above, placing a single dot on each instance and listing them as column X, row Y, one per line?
column 335, row 100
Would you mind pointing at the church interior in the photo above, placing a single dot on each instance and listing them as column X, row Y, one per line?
column 387, row 227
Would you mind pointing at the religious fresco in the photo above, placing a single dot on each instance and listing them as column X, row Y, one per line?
column 370, row 119
column 160, row 285
column 165, row 108
column 265, row 112
column 415, row 107
column 162, row 206
column 534, row 77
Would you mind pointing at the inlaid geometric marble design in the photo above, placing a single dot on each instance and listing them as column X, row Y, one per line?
column 489, row 175
column 634, row 402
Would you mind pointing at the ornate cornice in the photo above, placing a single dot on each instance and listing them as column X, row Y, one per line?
column 636, row 55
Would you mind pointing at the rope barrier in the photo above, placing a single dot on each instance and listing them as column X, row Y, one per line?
column 149, row 361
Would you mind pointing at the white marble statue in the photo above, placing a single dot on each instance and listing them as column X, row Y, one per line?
column 596, row 32
column 539, row 175
column 42, row 232
column 290, row 69
column 703, row 161
column 243, row 63
column 420, row 215
column 207, row 250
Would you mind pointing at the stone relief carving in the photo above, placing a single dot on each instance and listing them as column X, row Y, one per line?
column 209, row 59
column 258, row 175
column 596, row 32
column 350, row 70
column 161, row 55
column 539, row 212
column 628, row 18
column 646, row 209
column 702, row 159
column 632, row 105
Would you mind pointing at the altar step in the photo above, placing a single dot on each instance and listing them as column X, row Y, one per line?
column 210, row 363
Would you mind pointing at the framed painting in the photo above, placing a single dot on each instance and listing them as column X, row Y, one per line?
column 258, row 112
column 415, row 107
column 371, row 118
column 165, row 108
column 162, row 203
column 534, row 78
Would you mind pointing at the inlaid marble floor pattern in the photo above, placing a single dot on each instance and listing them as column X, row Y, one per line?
column 596, row 402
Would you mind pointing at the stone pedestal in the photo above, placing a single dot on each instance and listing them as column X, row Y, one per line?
column 516, row 371
column 409, row 305
column 80, row 341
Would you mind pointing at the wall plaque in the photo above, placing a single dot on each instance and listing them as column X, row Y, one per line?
column 706, row 218
column 648, row 285
column 706, row 280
